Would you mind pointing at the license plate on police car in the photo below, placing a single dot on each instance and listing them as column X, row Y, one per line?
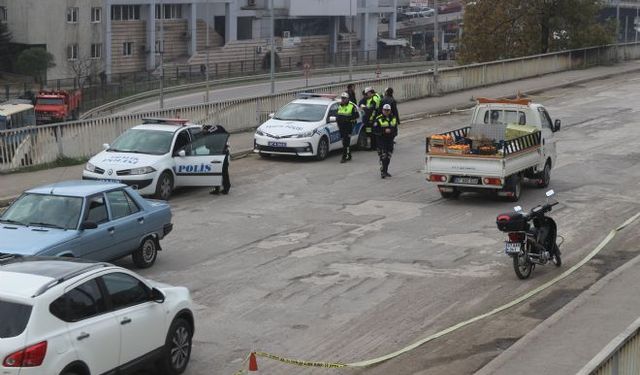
column 466, row 180
column 110, row 180
column 512, row 247
column 277, row 144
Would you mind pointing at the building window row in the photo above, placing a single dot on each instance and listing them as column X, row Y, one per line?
column 168, row 11
column 125, row 12
column 73, row 51
column 73, row 12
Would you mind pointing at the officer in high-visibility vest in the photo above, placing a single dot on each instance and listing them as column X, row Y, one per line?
column 386, row 129
column 346, row 117
column 372, row 110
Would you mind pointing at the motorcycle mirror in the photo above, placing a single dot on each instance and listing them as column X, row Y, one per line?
column 550, row 193
column 517, row 209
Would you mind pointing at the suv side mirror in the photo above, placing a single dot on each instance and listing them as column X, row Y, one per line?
column 157, row 296
column 556, row 125
column 88, row 225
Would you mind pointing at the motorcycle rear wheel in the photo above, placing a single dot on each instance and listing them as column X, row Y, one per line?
column 522, row 266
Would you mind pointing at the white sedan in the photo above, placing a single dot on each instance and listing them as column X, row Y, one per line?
column 304, row 127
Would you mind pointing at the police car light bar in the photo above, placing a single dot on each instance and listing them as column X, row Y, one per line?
column 307, row 95
column 164, row 121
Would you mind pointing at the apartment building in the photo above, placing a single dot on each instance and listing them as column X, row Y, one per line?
column 122, row 36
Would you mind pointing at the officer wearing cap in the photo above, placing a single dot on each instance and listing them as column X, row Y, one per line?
column 386, row 129
column 346, row 117
column 371, row 109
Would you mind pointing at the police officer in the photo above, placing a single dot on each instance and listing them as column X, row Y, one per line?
column 346, row 117
column 226, row 182
column 386, row 129
column 389, row 99
column 372, row 110
column 351, row 90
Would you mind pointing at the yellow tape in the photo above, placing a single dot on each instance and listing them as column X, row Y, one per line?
column 456, row 327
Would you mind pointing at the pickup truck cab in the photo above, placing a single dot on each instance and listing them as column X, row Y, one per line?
column 507, row 143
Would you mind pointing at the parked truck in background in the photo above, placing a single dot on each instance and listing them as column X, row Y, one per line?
column 57, row 106
column 508, row 142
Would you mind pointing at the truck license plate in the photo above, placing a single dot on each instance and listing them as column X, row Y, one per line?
column 466, row 180
column 277, row 144
column 512, row 247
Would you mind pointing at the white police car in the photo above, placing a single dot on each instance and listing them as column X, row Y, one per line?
column 304, row 127
column 160, row 155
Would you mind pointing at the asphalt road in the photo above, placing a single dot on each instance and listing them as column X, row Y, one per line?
column 325, row 261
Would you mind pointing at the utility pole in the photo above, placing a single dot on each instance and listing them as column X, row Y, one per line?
column 273, row 50
column 350, row 35
column 617, row 21
column 436, row 38
column 161, row 54
column 207, row 46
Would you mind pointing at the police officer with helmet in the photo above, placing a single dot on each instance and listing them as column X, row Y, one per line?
column 386, row 129
column 346, row 117
column 372, row 109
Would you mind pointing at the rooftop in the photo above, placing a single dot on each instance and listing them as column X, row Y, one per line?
column 75, row 188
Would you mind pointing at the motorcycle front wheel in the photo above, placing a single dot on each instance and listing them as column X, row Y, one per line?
column 522, row 266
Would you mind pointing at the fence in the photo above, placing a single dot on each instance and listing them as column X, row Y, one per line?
column 620, row 356
column 42, row 144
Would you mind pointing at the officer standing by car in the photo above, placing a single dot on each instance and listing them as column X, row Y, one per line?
column 209, row 130
column 386, row 129
column 389, row 99
column 346, row 117
column 372, row 110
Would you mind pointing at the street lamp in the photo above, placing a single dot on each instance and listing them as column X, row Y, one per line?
column 273, row 51
column 436, row 38
column 161, row 47
column 350, row 35
column 208, row 49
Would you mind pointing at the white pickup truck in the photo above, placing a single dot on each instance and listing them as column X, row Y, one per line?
column 508, row 141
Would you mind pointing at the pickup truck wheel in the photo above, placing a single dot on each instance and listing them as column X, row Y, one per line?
column 145, row 256
column 545, row 176
column 178, row 348
column 450, row 194
column 164, row 187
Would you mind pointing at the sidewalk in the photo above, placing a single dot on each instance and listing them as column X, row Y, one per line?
column 565, row 342
column 13, row 184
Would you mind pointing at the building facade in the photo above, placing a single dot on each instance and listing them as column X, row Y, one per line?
column 90, row 37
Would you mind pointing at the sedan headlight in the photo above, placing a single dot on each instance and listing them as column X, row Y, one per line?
column 141, row 170
column 90, row 167
column 259, row 132
column 306, row 135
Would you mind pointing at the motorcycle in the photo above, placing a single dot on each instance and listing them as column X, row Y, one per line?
column 531, row 237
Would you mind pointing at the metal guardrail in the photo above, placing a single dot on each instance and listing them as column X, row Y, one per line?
column 620, row 356
column 43, row 144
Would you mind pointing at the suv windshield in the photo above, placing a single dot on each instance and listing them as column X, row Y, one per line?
column 154, row 142
column 53, row 211
column 15, row 317
column 301, row 112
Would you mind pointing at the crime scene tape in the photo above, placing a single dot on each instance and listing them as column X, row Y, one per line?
column 374, row 361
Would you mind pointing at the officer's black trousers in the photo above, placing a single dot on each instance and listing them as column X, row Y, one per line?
column 345, row 133
column 226, row 182
column 385, row 150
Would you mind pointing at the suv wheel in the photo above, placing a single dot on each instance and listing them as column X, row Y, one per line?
column 178, row 348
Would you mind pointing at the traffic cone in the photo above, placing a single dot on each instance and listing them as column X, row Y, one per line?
column 253, row 363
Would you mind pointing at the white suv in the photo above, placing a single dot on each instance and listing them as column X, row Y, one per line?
column 74, row 317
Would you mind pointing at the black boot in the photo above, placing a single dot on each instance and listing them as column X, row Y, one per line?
column 385, row 166
column 348, row 153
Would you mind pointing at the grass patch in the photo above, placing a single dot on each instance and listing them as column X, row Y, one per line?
column 60, row 162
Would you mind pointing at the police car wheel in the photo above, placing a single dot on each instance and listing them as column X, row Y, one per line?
column 164, row 187
column 146, row 254
column 323, row 149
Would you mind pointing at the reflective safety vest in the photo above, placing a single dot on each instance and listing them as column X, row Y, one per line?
column 373, row 103
column 346, row 112
column 384, row 122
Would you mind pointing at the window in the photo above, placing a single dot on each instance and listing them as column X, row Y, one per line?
column 3, row 14
column 545, row 118
column 15, row 317
column 210, row 144
column 125, row 12
column 96, row 51
column 127, row 48
column 72, row 15
column 121, row 204
column 181, row 141
column 72, row 52
column 125, row 290
column 171, row 11
column 82, row 302
column 97, row 210
column 159, row 46
column 96, row 15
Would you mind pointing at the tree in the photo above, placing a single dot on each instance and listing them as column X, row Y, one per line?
column 35, row 62
column 513, row 28
column 5, row 46
column 84, row 68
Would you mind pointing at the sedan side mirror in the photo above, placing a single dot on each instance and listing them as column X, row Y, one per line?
column 332, row 119
column 157, row 296
column 556, row 125
column 105, row 146
column 88, row 225
column 182, row 153
column 272, row 115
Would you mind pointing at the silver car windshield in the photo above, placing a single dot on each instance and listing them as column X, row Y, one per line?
column 52, row 211
column 301, row 112
column 138, row 141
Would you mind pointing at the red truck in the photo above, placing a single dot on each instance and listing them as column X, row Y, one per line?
column 57, row 106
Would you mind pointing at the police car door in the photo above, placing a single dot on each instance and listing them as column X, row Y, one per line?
column 200, row 162
column 332, row 130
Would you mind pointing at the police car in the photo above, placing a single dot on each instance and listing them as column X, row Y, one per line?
column 304, row 127
column 160, row 155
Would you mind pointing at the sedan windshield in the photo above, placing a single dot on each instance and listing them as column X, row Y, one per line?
column 154, row 142
column 53, row 211
column 301, row 112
